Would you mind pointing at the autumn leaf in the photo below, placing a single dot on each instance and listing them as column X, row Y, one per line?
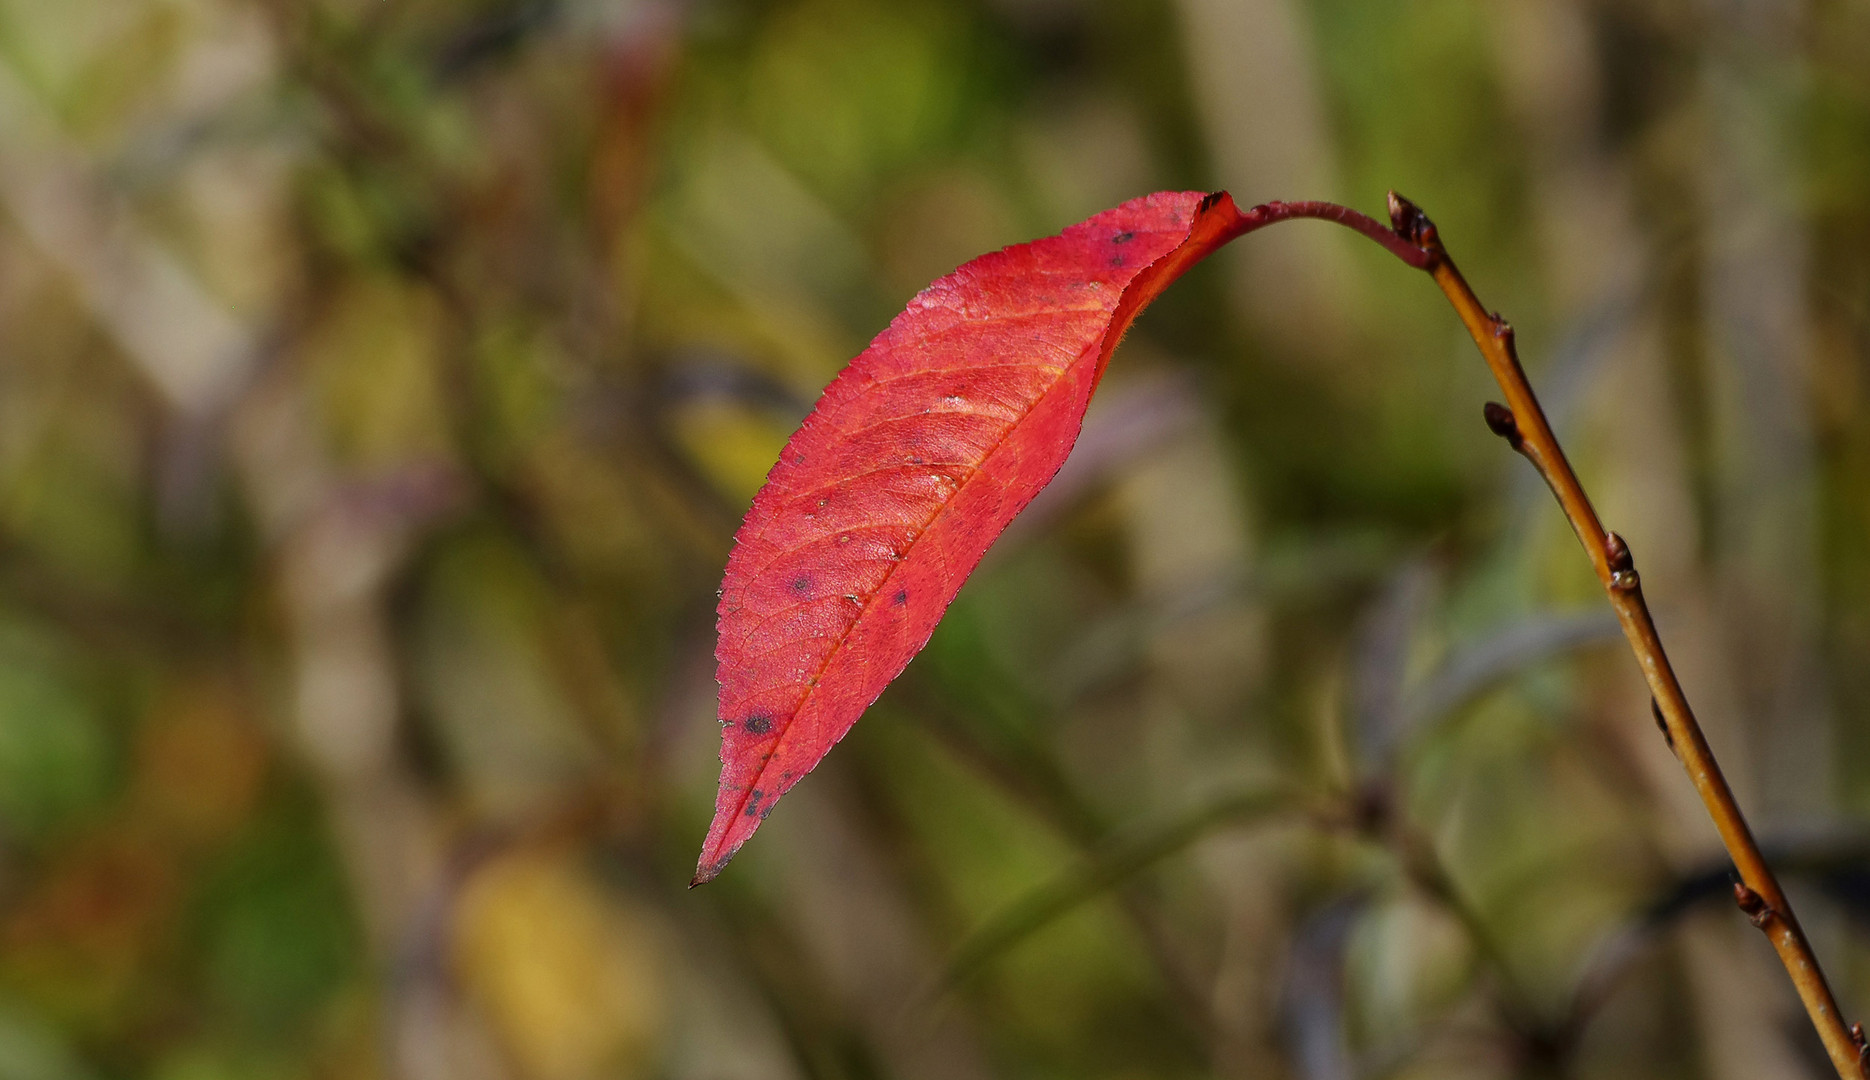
column 919, row 453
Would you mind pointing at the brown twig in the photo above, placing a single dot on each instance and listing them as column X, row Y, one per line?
column 1522, row 423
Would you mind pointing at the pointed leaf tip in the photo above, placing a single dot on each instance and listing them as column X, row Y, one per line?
column 915, row 458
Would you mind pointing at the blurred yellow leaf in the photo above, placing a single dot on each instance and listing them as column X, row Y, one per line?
column 568, row 975
column 733, row 446
column 377, row 357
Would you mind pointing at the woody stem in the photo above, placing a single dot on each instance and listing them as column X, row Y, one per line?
column 1523, row 424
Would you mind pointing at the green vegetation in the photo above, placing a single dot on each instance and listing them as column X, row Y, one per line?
column 381, row 382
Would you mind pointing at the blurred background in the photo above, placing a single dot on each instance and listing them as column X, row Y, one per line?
column 381, row 382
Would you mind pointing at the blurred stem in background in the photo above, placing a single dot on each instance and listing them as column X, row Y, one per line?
column 381, row 382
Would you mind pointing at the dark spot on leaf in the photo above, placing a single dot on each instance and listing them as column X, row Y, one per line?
column 902, row 597
column 1207, row 202
column 758, row 724
column 1123, row 237
column 800, row 585
column 1116, row 260
column 753, row 803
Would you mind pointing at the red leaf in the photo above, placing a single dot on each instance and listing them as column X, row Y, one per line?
column 917, row 456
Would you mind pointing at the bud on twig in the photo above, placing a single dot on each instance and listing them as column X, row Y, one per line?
column 1623, row 576
column 1757, row 910
column 1412, row 224
column 1662, row 725
column 1501, row 422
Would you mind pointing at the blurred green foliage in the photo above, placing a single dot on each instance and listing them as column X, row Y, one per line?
column 381, row 382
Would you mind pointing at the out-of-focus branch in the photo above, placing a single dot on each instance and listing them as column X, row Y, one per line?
column 1108, row 866
column 1836, row 865
column 1028, row 773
